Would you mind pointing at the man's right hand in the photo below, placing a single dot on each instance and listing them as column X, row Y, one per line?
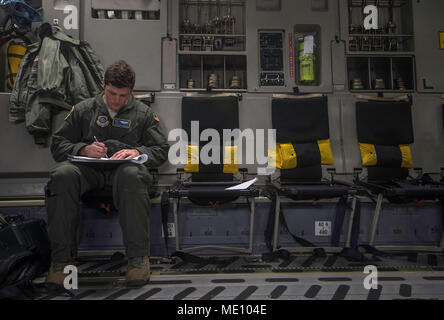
column 95, row 150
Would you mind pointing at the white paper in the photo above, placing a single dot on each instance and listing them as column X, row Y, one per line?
column 243, row 186
column 138, row 160
column 308, row 45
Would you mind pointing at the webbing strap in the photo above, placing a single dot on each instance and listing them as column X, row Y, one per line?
column 11, row 74
column 353, row 251
column 268, row 233
column 56, row 289
column 276, row 255
column 165, row 209
column 354, row 238
column 15, row 55
column 420, row 180
column 404, row 184
column 299, row 240
column 442, row 212
column 341, row 207
column 191, row 258
column 283, row 223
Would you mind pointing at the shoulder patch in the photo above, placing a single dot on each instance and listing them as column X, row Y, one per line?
column 69, row 115
column 103, row 121
column 156, row 117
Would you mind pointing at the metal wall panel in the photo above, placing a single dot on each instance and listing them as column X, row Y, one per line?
column 428, row 149
column 19, row 154
column 428, row 22
column 408, row 224
column 338, row 66
column 139, row 42
column 53, row 11
column 292, row 13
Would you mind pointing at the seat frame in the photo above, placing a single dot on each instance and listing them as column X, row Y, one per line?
column 278, row 192
column 249, row 193
column 382, row 192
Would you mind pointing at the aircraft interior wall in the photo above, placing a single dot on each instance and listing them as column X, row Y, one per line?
column 24, row 166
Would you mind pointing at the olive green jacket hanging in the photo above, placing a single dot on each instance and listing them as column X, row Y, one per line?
column 55, row 74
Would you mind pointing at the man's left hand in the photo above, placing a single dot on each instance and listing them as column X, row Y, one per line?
column 126, row 154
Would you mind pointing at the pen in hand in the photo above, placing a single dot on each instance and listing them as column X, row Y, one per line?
column 95, row 138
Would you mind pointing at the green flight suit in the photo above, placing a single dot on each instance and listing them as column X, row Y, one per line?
column 134, row 127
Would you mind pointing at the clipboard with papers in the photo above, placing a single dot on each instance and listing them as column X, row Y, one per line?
column 137, row 160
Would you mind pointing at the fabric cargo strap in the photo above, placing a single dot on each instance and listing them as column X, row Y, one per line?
column 270, row 227
column 165, row 208
column 341, row 207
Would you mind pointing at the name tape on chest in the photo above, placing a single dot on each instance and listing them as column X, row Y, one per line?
column 122, row 123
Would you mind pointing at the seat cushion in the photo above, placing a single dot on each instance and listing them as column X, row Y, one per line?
column 384, row 123
column 211, row 195
column 300, row 120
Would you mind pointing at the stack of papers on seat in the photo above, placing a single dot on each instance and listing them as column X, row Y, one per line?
column 244, row 185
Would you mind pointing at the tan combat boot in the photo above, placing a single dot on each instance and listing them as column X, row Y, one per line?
column 138, row 271
column 55, row 274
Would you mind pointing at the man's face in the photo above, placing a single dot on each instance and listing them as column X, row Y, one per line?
column 116, row 98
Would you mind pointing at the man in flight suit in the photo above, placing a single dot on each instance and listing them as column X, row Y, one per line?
column 112, row 124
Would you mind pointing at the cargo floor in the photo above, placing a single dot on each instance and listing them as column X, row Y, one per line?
column 413, row 276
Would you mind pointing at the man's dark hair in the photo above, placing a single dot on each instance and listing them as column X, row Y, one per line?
column 120, row 75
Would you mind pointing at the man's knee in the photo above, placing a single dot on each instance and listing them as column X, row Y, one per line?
column 64, row 175
column 132, row 176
